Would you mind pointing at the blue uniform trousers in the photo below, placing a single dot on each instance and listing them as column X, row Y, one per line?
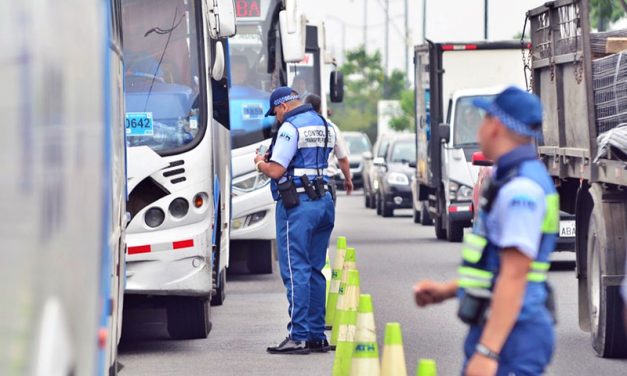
column 527, row 351
column 303, row 235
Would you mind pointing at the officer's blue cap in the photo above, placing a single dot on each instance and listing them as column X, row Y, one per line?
column 280, row 95
column 517, row 109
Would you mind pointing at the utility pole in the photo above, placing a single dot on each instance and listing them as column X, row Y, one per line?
column 485, row 20
column 365, row 25
column 387, row 35
column 424, row 21
column 407, row 41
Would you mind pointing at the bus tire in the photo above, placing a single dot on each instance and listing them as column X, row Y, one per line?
column 261, row 258
column 188, row 317
column 605, row 303
column 218, row 298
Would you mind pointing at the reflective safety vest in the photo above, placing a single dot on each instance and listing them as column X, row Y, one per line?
column 316, row 141
column 480, row 257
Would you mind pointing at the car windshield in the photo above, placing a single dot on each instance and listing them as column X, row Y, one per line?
column 467, row 120
column 251, row 86
column 403, row 152
column 357, row 144
column 162, row 85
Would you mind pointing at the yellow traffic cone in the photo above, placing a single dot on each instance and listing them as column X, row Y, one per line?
column 346, row 323
column 365, row 352
column 342, row 304
column 426, row 367
column 326, row 272
column 393, row 362
column 336, row 277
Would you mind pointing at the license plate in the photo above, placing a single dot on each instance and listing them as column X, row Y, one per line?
column 567, row 229
column 139, row 124
column 252, row 111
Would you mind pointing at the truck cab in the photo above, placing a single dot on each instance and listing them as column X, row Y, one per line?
column 458, row 173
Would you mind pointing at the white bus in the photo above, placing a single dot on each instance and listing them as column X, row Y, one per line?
column 259, row 60
column 63, row 188
column 178, row 146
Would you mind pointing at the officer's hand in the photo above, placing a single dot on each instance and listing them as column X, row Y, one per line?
column 429, row 292
column 348, row 186
column 480, row 365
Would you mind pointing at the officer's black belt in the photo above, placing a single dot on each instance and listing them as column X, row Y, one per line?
column 302, row 189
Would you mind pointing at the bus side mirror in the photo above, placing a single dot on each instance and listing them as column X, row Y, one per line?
column 293, row 43
column 478, row 159
column 292, row 15
column 337, row 87
column 219, row 63
column 221, row 19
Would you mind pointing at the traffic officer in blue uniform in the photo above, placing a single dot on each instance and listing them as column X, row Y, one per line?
column 502, row 288
column 305, row 215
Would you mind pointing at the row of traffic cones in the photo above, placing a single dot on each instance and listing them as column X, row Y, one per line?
column 350, row 317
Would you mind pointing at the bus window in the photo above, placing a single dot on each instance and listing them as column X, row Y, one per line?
column 162, row 75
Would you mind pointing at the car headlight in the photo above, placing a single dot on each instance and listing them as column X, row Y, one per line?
column 459, row 192
column 250, row 182
column 397, row 178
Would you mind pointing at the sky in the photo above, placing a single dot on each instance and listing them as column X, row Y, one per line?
column 447, row 20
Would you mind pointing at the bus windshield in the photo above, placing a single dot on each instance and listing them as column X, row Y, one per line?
column 302, row 76
column 162, row 85
column 251, row 85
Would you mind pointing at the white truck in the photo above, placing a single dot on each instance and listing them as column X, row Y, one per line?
column 448, row 76
column 63, row 188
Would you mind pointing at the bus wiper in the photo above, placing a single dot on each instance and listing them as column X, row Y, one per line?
column 161, row 31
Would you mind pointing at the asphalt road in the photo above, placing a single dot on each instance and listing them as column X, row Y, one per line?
column 392, row 254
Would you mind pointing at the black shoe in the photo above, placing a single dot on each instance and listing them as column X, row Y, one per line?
column 320, row 346
column 289, row 346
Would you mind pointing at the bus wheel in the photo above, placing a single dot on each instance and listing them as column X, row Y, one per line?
column 261, row 258
column 188, row 317
column 220, row 292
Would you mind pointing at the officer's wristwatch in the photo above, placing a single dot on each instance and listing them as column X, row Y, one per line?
column 485, row 351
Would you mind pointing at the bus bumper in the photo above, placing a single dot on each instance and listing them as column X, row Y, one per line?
column 170, row 262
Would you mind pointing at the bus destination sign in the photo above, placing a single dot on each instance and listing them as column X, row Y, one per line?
column 248, row 8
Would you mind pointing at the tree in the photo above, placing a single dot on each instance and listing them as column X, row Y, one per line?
column 365, row 84
column 406, row 120
column 604, row 12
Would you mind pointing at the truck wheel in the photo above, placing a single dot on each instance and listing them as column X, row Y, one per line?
column 416, row 216
column 455, row 232
column 425, row 216
column 440, row 231
column 605, row 303
column 261, row 258
column 188, row 317
column 387, row 210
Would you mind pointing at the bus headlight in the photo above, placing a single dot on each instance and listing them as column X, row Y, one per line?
column 179, row 207
column 250, row 182
column 154, row 217
column 397, row 178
